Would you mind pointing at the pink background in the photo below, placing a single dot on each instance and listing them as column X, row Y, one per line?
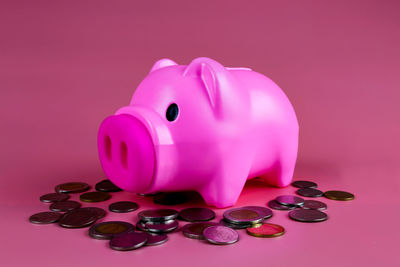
column 65, row 65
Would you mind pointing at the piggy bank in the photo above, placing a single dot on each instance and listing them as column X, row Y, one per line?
column 200, row 127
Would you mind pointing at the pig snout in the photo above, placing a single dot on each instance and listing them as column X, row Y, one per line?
column 126, row 152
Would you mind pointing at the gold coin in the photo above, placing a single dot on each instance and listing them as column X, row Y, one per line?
column 339, row 195
column 266, row 230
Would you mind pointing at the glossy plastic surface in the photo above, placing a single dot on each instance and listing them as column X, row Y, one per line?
column 233, row 124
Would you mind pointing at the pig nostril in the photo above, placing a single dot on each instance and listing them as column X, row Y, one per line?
column 124, row 155
column 107, row 142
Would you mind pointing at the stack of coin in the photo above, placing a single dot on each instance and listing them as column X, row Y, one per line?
column 158, row 221
column 244, row 217
column 286, row 202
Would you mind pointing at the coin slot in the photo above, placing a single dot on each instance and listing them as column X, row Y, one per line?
column 107, row 145
column 124, row 155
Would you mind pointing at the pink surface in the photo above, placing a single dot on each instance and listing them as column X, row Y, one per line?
column 67, row 65
column 232, row 124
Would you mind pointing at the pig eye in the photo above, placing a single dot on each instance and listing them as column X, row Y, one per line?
column 172, row 112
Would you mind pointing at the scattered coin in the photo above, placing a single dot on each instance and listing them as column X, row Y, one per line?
column 289, row 200
column 95, row 196
column 64, row 206
column 195, row 230
column 266, row 212
column 339, row 195
column 170, row 199
column 161, row 227
column 197, row 214
column 314, row 205
column 107, row 186
column 302, row 215
column 243, row 216
column 158, row 215
column 220, row 235
column 128, row 241
column 266, row 230
column 123, row 206
column 54, row 197
column 154, row 239
column 78, row 218
column 276, row 206
column 310, row 192
column 238, row 226
column 73, row 187
column 106, row 230
column 304, row 184
column 100, row 212
column 45, row 217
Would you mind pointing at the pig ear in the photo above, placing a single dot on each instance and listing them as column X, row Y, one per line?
column 165, row 62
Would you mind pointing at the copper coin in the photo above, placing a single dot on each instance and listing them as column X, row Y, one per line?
column 196, row 214
column 54, row 197
column 302, row 215
column 195, row 230
column 220, row 235
column 73, row 187
column 123, row 206
column 99, row 211
column 289, row 200
column 106, row 230
column 314, row 205
column 304, row 184
column 276, row 206
column 154, row 239
column 64, row 206
column 128, row 241
column 45, row 217
column 95, row 196
column 266, row 212
column 310, row 192
column 78, row 218
column 266, row 230
column 170, row 199
column 158, row 215
column 243, row 215
column 339, row 195
column 107, row 186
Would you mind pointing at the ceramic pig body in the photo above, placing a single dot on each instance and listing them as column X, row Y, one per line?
column 200, row 127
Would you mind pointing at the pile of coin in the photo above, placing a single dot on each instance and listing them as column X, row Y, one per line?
column 153, row 225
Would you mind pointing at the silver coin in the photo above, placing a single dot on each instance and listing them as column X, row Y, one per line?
column 158, row 215
column 289, row 200
column 304, row 184
column 314, row 205
column 267, row 213
column 276, row 206
column 243, row 216
column 237, row 226
column 302, row 215
column 128, row 241
column 310, row 192
column 196, row 214
column 154, row 239
column 161, row 227
column 220, row 235
column 195, row 230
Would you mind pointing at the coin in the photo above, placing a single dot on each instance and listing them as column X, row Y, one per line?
column 100, row 212
column 95, row 196
column 314, row 205
column 170, row 199
column 276, row 206
column 310, row 192
column 238, row 226
column 106, row 230
column 45, row 217
column 158, row 215
column 54, row 197
column 289, row 200
column 304, row 184
column 128, row 241
column 123, row 206
column 154, row 239
column 339, row 195
column 195, row 230
column 266, row 230
column 220, row 235
column 78, row 218
column 243, row 215
column 107, row 186
column 266, row 212
column 73, row 187
column 161, row 227
column 302, row 215
column 65, row 205
column 196, row 214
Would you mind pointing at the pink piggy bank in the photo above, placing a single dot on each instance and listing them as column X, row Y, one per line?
column 201, row 127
